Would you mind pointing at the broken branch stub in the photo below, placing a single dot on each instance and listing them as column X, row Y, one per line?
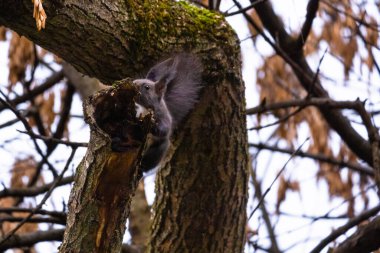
column 106, row 179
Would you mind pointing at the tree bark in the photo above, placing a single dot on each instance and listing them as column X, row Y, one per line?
column 202, row 190
column 365, row 239
column 111, row 40
column 105, row 181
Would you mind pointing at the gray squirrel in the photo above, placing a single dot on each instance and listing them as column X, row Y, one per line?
column 171, row 89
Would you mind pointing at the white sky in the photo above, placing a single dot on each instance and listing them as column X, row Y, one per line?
column 313, row 197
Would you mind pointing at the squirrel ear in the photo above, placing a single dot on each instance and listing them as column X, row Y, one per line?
column 160, row 88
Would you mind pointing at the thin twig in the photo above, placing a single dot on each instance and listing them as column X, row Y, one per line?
column 343, row 229
column 29, row 239
column 33, row 191
column 249, row 7
column 312, row 8
column 55, row 140
column 10, row 210
column 39, row 206
column 282, row 119
column 259, row 195
column 319, row 157
column 52, row 80
column 275, row 179
column 359, row 20
column 29, row 129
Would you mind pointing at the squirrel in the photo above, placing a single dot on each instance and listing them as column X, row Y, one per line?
column 170, row 89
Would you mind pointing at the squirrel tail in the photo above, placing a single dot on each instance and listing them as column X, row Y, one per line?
column 182, row 92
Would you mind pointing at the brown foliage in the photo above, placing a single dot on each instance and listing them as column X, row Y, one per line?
column 284, row 186
column 257, row 20
column 23, row 170
column 39, row 14
column 340, row 30
column 276, row 83
column 45, row 105
column 21, row 54
column 3, row 32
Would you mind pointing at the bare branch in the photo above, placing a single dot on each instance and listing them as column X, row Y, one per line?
column 33, row 191
column 29, row 129
column 286, row 48
column 352, row 223
column 365, row 239
column 57, row 141
column 312, row 8
column 53, row 79
column 259, row 195
column 320, row 102
column 319, row 157
column 249, row 7
column 39, row 206
column 33, row 220
column 275, row 179
column 359, row 20
column 10, row 210
column 29, row 239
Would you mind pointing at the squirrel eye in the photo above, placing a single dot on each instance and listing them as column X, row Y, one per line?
column 147, row 87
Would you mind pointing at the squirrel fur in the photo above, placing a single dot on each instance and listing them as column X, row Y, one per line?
column 170, row 89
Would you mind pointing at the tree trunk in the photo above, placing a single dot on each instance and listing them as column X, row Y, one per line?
column 105, row 181
column 202, row 189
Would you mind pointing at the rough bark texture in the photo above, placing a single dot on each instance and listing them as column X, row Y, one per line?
column 114, row 39
column 139, row 218
column 202, row 191
column 365, row 239
column 105, row 181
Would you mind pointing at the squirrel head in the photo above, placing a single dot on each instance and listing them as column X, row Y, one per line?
column 151, row 93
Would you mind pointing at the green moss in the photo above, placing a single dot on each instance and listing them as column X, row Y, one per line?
column 201, row 16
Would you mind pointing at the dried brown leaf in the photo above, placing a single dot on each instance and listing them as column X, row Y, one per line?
column 319, row 131
column 45, row 105
column 283, row 187
column 39, row 14
column 348, row 52
column 3, row 32
column 363, row 183
column 21, row 54
column 22, row 171
column 47, row 111
column 312, row 43
column 256, row 19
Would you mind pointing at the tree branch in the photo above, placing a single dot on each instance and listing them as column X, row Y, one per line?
column 39, row 206
column 53, row 79
column 33, row 220
column 33, row 191
column 370, row 239
column 10, row 210
column 312, row 8
column 72, row 28
column 29, row 239
column 319, row 157
column 289, row 51
column 259, row 195
column 320, row 102
column 365, row 239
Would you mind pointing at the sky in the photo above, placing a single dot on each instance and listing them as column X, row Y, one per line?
column 267, row 166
